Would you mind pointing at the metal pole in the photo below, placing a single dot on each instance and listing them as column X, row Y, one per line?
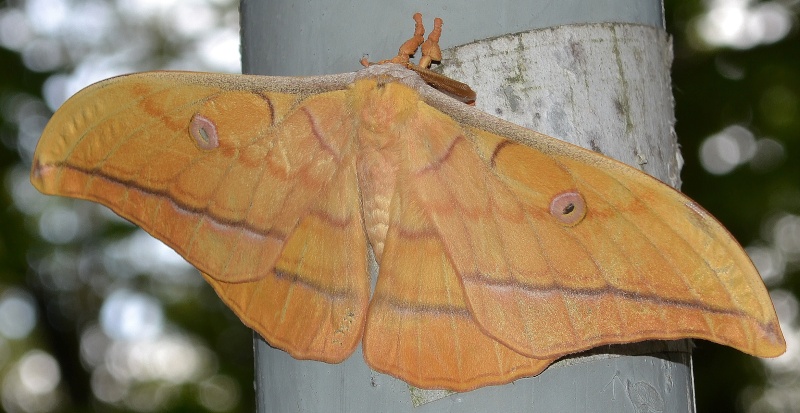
column 305, row 38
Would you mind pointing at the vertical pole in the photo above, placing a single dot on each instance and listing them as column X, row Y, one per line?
column 283, row 37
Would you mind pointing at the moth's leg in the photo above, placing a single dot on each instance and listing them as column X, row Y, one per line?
column 431, row 52
column 411, row 45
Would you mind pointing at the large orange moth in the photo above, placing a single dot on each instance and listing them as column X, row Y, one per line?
column 500, row 249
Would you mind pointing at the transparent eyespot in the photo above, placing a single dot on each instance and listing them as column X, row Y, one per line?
column 568, row 208
column 204, row 132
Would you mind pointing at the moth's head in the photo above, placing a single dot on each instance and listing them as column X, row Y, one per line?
column 383, row 102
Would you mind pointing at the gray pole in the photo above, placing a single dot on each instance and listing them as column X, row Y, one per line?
column 308, row 38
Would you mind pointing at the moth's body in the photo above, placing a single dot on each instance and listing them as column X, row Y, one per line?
column 273, row 187
column 382, row 111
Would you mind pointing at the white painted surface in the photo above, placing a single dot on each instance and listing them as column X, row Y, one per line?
column 600, row 86
column 563, row 82
column 306, row 37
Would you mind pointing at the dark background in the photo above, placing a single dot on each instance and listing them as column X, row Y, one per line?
column 71, row 273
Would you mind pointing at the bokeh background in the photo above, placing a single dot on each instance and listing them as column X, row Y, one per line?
column 97, row 316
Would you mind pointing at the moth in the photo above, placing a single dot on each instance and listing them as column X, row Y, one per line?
column 500, row 249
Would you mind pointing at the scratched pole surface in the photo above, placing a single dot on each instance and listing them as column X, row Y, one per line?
column 304, row 38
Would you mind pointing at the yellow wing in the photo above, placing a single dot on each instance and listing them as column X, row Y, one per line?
column 419, row 327
column 560, row 249
column 503, row 248
column 251, row 185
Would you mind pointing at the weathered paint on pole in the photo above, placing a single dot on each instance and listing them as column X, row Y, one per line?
column 306, row 38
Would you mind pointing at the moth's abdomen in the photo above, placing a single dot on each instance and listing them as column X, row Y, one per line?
column 383, row 107
column 377, row 176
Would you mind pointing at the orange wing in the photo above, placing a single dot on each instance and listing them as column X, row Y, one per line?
column 560, row 249
column 645, row 259
column 270, row 212
column 419, row 327
column 500, row 249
